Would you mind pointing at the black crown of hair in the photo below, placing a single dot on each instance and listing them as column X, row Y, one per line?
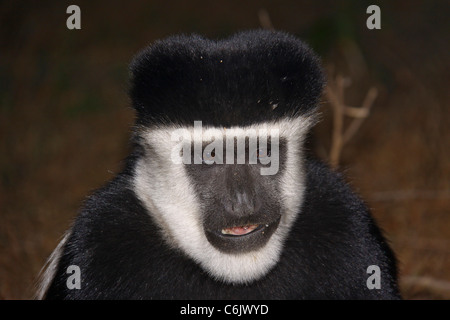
column 251, row 77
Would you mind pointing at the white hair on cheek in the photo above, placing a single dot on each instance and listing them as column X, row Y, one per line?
column 168, row 194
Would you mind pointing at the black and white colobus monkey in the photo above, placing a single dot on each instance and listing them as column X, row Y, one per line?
column 218, row 199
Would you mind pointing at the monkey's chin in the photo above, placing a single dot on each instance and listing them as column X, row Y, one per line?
column 241, row 239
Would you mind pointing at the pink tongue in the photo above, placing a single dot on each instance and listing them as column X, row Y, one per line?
column 242, row 230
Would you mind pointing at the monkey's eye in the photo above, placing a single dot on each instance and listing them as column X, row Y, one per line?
column 209, row 157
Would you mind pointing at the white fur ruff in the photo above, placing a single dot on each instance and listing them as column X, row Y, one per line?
column 166, row 191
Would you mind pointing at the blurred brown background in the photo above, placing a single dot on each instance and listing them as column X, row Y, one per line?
column 65, row 117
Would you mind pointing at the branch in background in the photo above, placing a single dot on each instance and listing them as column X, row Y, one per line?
column 264, row 19
column 426, row 282
column 359, row 114
column 418, row 243
column 407, row 195
column 335, row 92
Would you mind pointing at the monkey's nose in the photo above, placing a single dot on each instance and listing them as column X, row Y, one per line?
column 240, row 204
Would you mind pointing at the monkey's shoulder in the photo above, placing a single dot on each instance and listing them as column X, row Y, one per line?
column 333, row 207
column 336, row 234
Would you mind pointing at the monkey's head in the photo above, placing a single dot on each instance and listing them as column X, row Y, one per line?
column 221, row 126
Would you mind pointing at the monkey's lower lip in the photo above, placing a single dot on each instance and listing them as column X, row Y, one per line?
column 242, row 237
column 241, row 230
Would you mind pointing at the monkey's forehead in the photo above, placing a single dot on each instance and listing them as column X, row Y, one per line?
column 290, row 130
column 249, row 78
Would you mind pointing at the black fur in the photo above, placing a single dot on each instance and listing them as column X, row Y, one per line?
column 235, row 81
column 115, row 244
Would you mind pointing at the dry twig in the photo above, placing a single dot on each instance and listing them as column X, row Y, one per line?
column 427, row 282
column 408, row 195
column 335, row 92
column 264, row 19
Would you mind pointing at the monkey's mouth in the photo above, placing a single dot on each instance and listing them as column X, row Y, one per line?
column 242, row 237
column 241, row 230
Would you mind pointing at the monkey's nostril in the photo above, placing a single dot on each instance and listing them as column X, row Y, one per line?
column 240, row 204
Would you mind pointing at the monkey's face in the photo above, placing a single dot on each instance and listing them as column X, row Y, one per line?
column 240, row 207
column 231, row 218
column 226, row 196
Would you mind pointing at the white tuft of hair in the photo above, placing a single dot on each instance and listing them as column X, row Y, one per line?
column 48, row 271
